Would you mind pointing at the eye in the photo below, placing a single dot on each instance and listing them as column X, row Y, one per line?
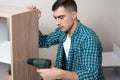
column 55, row 18
column 61, row 17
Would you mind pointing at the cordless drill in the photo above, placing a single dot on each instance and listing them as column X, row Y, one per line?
column 40, row 63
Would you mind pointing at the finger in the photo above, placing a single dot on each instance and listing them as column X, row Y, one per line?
column 40, row 73
column 34, row 7
column 38, row 70
column 31, row 7
column 39, row 12
column 43, row 77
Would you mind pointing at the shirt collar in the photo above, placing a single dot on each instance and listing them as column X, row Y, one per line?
column 77, row 30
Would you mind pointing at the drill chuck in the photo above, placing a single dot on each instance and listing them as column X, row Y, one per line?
column 40, row 63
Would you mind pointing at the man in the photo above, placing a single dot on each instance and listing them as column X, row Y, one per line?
column 79, row 55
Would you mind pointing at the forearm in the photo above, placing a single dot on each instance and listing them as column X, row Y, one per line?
column 68, row 75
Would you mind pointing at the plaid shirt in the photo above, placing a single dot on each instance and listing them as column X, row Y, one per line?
column 85, row 54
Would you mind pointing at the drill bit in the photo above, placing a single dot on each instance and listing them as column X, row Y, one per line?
column 21, row 60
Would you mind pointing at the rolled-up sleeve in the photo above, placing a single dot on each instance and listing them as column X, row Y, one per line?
column 91, row 60
column 46, row 41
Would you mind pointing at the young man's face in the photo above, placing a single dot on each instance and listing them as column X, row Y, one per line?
column 64, row 19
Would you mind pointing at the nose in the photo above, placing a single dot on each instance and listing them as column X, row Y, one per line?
column 57, row 21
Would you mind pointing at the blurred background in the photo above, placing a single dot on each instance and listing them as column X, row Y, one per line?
column 103, row 16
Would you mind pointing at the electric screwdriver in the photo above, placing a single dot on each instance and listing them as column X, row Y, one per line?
column 40, row 63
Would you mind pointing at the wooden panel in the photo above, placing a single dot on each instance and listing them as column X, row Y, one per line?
column 7, row 11
column 24, row 44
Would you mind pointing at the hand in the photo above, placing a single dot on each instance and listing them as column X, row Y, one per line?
column 49, row 74
column 34, row 8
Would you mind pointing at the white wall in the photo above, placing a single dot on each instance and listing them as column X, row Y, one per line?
column 104, row 17
column 101, row 15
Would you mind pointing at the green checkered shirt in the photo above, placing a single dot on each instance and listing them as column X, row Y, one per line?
column 85, row 54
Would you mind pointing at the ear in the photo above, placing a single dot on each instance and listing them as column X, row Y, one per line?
column 74, row 14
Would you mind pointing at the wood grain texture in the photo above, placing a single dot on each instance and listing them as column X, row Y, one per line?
column 23, row 31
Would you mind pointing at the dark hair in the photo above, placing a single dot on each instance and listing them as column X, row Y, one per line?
column 68, row 4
